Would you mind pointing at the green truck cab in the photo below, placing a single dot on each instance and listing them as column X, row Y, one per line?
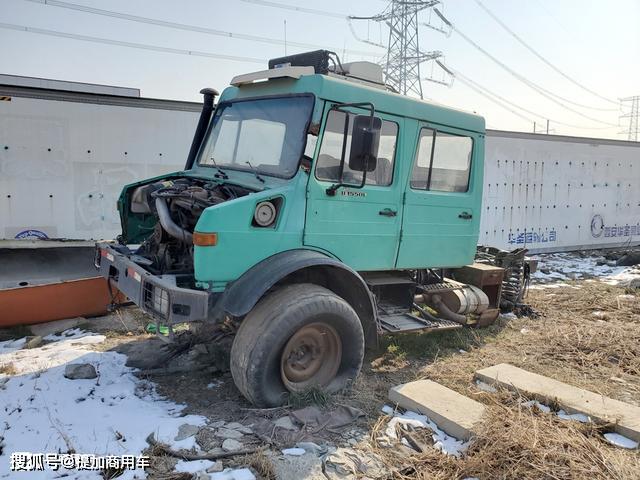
column 316, row 211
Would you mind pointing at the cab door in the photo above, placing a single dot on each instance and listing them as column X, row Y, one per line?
column 442, row 203
column 359, row 226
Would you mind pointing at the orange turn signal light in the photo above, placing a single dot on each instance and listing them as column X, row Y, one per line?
column 205, row 239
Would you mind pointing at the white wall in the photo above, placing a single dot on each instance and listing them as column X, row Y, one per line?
column 546, row 193
column 70, row 191
column 559, row 193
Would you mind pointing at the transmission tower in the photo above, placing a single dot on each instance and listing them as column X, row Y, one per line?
column 634, row 118
column 402, row 62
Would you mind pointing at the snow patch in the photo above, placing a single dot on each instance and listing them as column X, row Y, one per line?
column 193, row 466
column 541, row 406
column 443, row 442
column 296, row 452
column 485, row 387
column 110, row 415
column 239, row 474
column 580, row 417
column 12, row 345
column 620, row 440
column 569, row 266
column 386, row 409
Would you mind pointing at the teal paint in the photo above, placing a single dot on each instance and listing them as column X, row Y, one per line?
column 426, row 231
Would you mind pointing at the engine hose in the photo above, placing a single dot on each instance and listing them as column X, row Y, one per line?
column 169, row 225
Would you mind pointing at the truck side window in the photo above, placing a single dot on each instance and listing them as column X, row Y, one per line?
column 328, row 164
column 443, row 162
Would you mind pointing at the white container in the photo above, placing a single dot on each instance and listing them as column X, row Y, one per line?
column 65, row 155
column 556, row 193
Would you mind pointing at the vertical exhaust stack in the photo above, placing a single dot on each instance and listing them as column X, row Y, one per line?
column 205, row 117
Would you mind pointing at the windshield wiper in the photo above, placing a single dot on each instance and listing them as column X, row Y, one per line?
column 255, row 171
column 221, row 173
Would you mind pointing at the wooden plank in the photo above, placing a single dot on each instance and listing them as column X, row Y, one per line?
column 456, row 414
column 570, row 398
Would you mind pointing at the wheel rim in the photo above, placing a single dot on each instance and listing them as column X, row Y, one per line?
column 311, row 357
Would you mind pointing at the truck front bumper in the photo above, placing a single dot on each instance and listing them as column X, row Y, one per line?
column 167, row 303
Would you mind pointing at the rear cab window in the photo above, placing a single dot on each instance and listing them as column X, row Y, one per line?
column 443, row 162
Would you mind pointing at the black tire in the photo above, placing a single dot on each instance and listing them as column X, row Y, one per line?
column 256, row 354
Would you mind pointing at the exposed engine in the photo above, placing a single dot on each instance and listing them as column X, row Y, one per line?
column 177, row 204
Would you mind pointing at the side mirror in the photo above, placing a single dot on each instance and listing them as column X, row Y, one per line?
column 365, row 140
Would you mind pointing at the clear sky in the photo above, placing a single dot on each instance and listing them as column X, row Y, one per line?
column 596, row 43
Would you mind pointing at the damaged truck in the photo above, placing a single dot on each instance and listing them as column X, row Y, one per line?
column 316, row 211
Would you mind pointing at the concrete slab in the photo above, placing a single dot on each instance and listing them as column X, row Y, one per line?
column 572, row 399
column 456, row 414
column 49, row 328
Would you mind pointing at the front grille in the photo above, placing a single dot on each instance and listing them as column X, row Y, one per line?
column 155, row 300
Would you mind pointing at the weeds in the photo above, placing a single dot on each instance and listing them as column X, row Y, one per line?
column 312, row 396
column 8, row 369
column 261, row 464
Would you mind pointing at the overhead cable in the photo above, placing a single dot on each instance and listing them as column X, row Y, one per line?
column 186, row 27
column 471, row 83
column 143, row 46
column 541, row 90
column 284, row 6
column 544, row 60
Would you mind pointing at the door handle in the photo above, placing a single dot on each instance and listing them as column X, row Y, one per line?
column 387, row 212
column 465, row 216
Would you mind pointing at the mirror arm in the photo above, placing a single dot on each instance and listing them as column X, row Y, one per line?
column 331, row 191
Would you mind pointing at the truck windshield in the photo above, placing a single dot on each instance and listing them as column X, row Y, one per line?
column 266, row 136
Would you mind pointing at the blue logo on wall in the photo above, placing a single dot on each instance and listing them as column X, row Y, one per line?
column 526, row 238
column 600, row 229
column 597, row 226
column 32, row 234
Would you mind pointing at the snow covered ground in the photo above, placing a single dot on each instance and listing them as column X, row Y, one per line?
column 555, row 269
column 43, row 412
column 441, row 441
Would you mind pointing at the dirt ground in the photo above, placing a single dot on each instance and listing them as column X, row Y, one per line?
column 587, row 335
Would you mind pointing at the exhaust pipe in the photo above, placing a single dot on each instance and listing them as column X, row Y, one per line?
column 169, row 225
column 445, row 312
column 203, row 123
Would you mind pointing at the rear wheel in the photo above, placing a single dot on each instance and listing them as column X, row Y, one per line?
column 299, row 337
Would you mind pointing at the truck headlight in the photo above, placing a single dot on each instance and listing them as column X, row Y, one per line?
column 265, row 214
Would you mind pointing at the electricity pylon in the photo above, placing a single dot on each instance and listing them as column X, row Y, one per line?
column 634, row 118
column 402, row 62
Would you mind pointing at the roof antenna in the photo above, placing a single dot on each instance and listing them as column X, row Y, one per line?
column 285, row 37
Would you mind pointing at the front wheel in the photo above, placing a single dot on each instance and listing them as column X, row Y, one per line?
column 299, row 337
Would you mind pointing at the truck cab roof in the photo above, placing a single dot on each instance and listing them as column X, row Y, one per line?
column 345, row 90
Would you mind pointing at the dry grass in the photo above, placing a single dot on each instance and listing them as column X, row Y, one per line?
column 599, row 353
column 8, row 369
column 262, row 465
column 516, row 442
column 568, row 343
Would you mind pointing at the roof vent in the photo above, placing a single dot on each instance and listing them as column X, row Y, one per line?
column 325, row 62
column 366, row 71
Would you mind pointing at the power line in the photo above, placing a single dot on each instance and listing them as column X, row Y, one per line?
column 634, row 118
column 182, row 26
column 143, row 46
column 543, row 59
column 403, row 59
column 497, row 102
column 285, row 6
column 541, row 90
column 467, row 81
